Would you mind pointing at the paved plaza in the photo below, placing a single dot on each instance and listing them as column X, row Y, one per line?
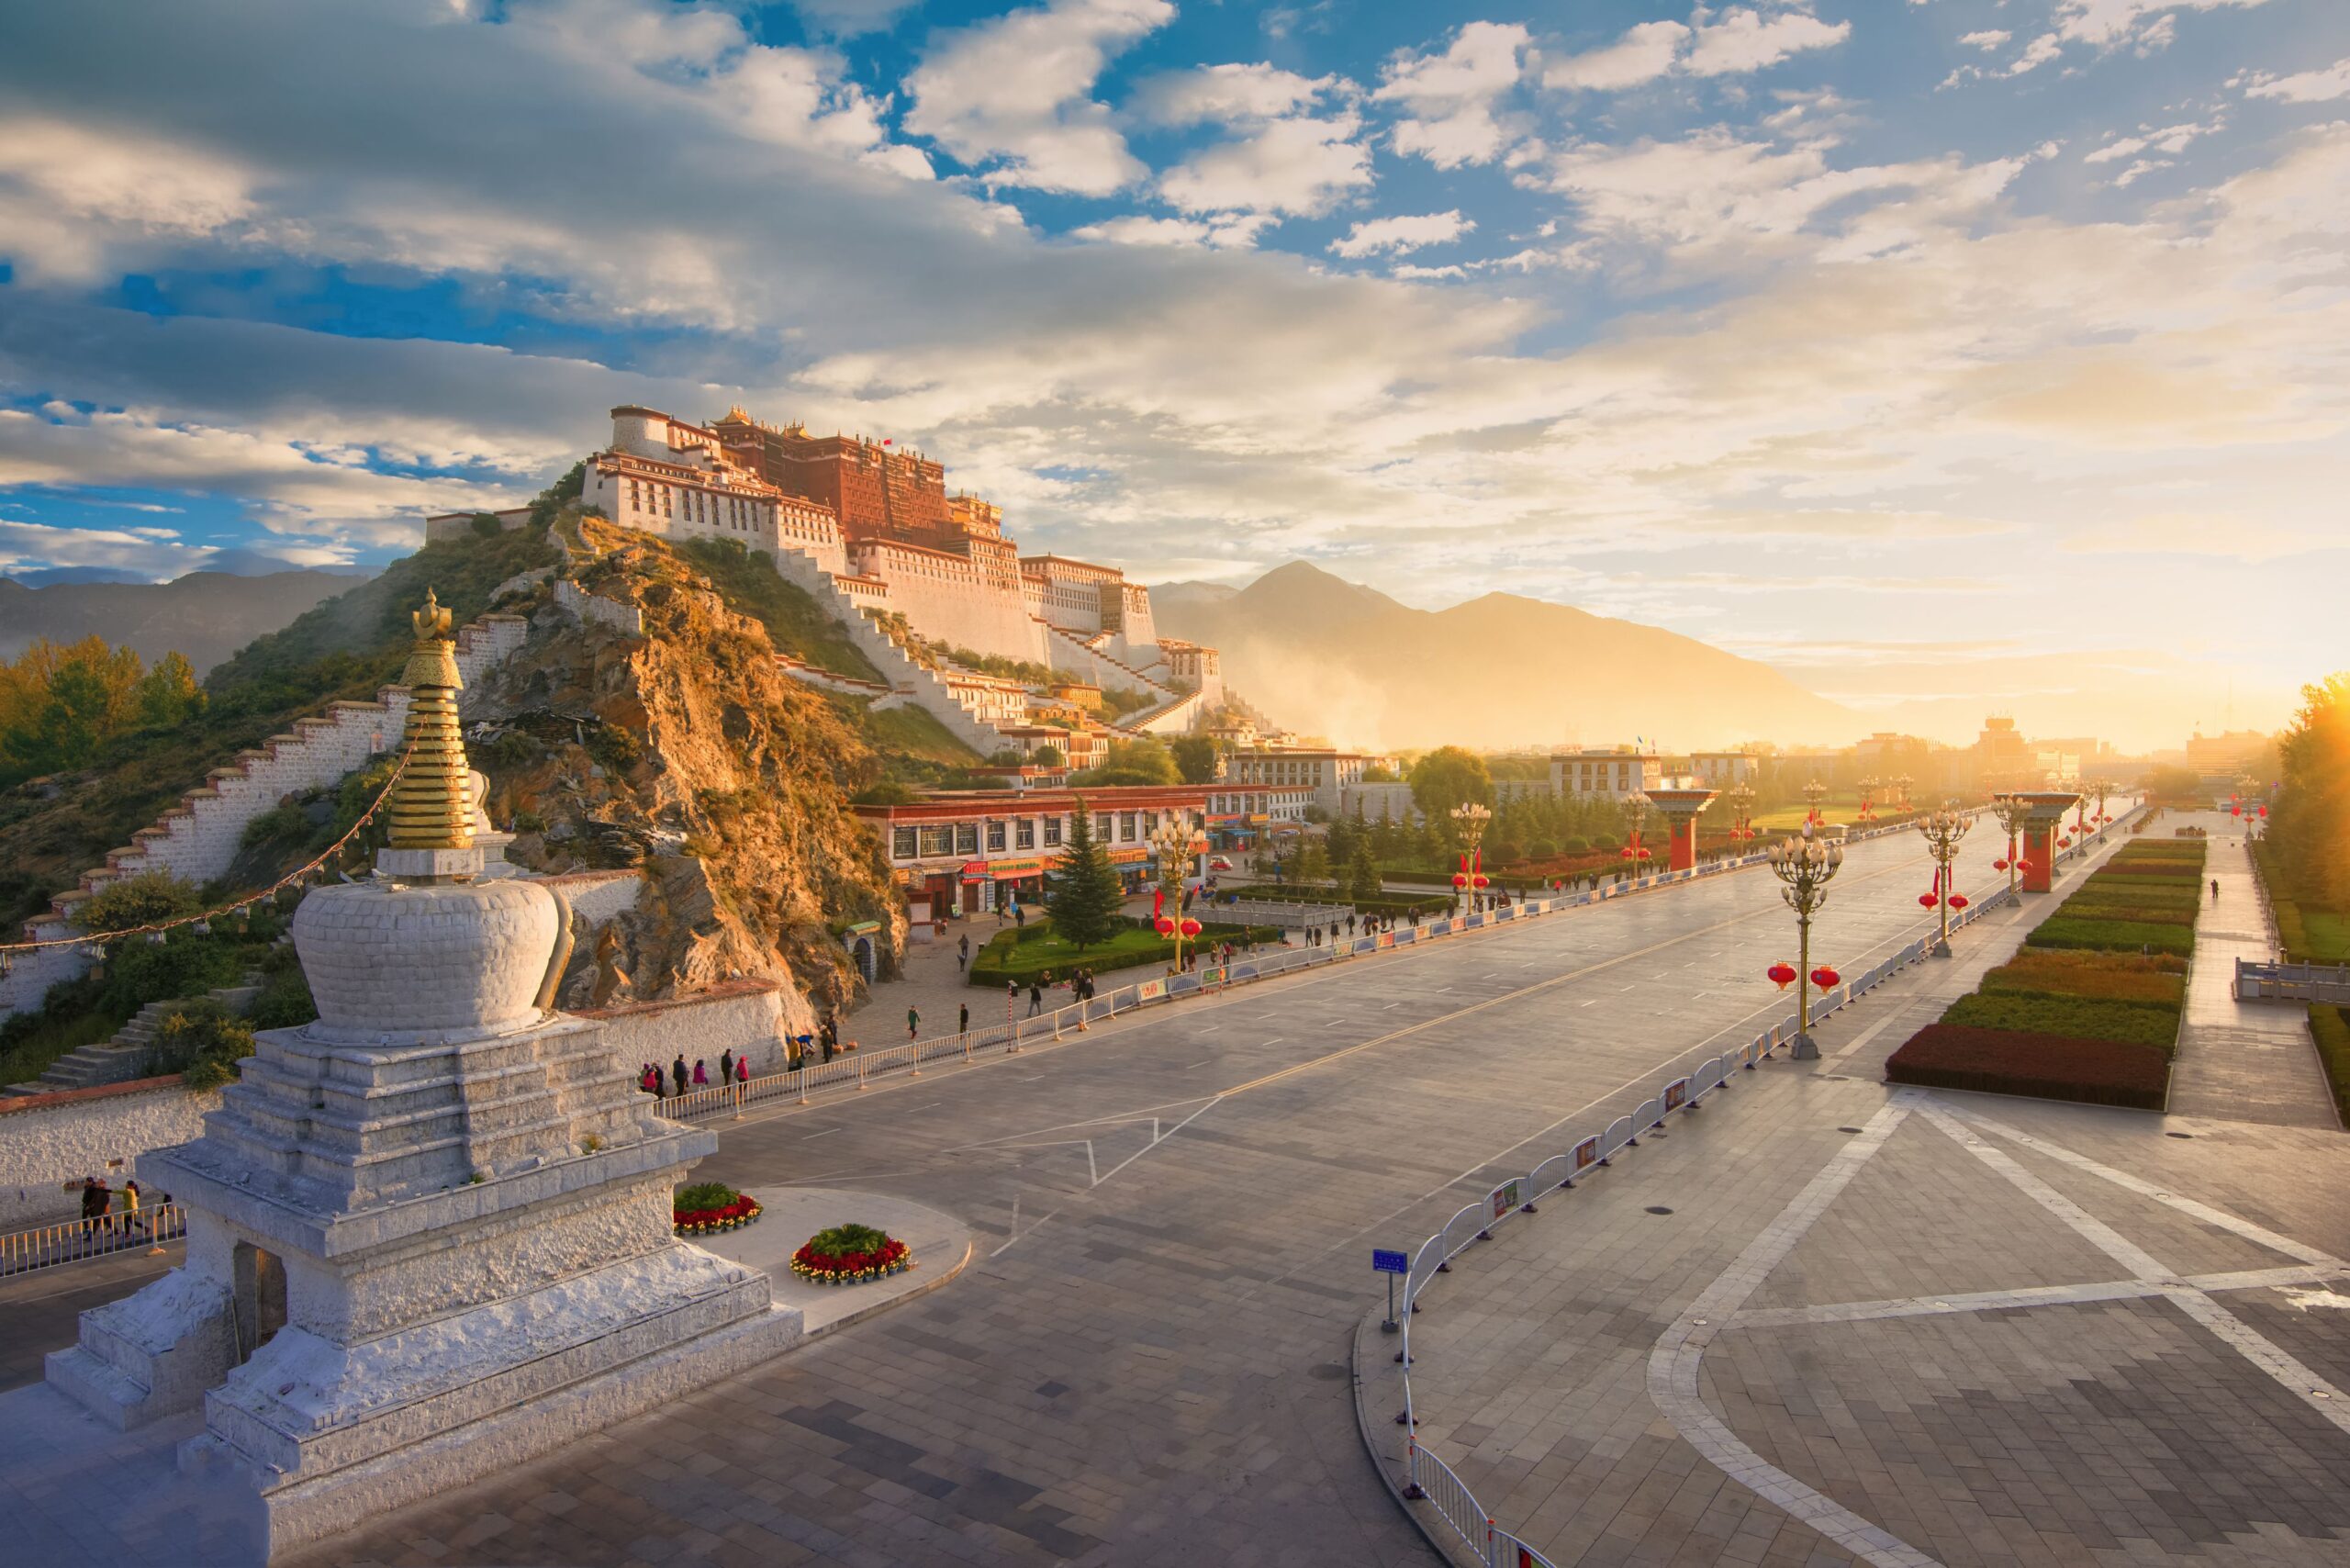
column 1151, row 1356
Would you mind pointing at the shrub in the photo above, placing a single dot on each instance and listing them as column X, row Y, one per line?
column 2076, row 1017
column 1574, row 846
column 2110, row 977
column 1029, row 953
column 2061, row 930
column 137, row 901
column 203, row 1043
column 285, row 1002
column 2050, row 1066
column 2099, row 909
column 2330, row 1027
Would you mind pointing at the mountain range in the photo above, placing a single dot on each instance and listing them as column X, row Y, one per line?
column 1326, row 656
column 205, row 615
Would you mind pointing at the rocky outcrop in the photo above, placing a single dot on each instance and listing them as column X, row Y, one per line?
column 683, row 750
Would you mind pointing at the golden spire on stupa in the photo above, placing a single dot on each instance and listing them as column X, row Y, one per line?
column 432, row 804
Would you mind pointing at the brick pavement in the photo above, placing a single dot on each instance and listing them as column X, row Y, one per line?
column 2077, row 1414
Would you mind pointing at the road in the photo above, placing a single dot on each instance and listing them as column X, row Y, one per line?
column 1147, row 1362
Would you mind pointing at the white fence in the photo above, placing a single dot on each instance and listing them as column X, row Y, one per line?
column 1430, row 1480
column 2293, row 982
column 75, row 1240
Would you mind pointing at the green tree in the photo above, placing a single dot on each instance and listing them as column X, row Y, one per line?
column 1195, row 758
column 2173, row 783
column 1446, row 778
column 1312, row 862
column 168, row 694
column 1046, row 756
column 2310, row 820
column 1085, row 898
column 1362, row 873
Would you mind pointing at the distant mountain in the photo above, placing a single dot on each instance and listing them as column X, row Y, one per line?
column 1328, row 657
column 205, row 615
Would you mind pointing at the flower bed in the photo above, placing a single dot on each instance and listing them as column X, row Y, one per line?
column 850, row 1255
column 2049, row 1067
column 2111, row 935
column 2073, row 1017
column 2104, row 977
column 706, row 1208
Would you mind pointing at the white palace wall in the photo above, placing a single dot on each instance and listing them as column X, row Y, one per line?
column 947, row 599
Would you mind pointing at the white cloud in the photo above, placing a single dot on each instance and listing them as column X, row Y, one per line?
column 1222, row 94
column 1226, row 231
column 1298, row 167
column 1408, row 271
column 2111, row 23
column 1987, row 39
column 1450, row 97
column 2304, row 87
column 2169, row 139
column 1644, row 53
column 1746, row 40
column 1399, row 235
column 1011, row 96
column 1740, row 41
column 38, row 544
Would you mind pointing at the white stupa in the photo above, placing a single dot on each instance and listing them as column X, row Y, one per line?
column 429, row 1235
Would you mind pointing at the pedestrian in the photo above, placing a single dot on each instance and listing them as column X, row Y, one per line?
column 701, row 1078
column 913, row 1022
column 726, row 1065
column 1036, row 999
column 94, row 1203
column 678, row 1071
column 130, row 1207
column 963, row 1019
column 650, row 1081
column 1020, row 916
column 962, row 951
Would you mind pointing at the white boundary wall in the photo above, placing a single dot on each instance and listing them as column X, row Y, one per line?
column 48, row 1140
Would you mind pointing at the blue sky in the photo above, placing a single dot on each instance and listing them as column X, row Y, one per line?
column 1952, row 354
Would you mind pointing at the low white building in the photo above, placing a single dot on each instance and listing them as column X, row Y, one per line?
column 1322, row 775
column 1610, row 774
column 1720, row 769
column 674, row 479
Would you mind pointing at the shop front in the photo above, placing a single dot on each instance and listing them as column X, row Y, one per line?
column 1135, row 868
column 1001, row 884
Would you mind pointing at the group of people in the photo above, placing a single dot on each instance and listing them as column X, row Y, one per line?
column 731, row 1069
column 1081, row 989
column 103, row 1208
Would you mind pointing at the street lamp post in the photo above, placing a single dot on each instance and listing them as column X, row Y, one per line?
column 1942, row 829
column 1470, row 821
column 1813, row 793
column 1636, row 821
column 1901, row 786
column 1806, row 864
column 1868, row 787
column 2012, row 812
column 1172, row 841
column 1741, row 812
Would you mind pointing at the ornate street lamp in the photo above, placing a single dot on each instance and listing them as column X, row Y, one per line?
column 1942, row 830
column 2013, row 812
column 1901, row 789
column 1807, row 865
column 2100, row 789
column 1741, row 812
column 1171, row 841
column 1469, row 820
column 1636, row 815
column 1813, row 793
column 1868, row 787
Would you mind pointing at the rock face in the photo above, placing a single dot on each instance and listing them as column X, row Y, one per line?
column 685, row 753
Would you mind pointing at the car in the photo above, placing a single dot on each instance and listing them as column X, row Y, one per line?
column 1218, row 863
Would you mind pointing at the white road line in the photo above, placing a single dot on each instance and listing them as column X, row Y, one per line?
column 2027, row 1295
column 826, row 1133
column 1836, row 1062
column 2247, row 1341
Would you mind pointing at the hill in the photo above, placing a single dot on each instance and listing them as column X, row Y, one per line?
column 204, row 616
column 1328, row 657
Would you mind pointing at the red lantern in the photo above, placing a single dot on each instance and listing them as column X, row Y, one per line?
column 1189, row 927
column 1958, row 901
column 1481, row 880
column 1460, row 879
column 2235, row 810
column 1645, row 855
column 1782, row 973
column 1999, row 865
column 2024, row 867
column 1825, row 977
column 2264, row 813
column 1927, row 900
column 1629, row 853
column 1163, row 925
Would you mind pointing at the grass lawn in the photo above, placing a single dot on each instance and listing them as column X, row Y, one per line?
column 1024, row 954
column 2328, row 936
column 911, row 731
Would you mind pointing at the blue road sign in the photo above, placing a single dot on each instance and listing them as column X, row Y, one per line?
column 1386, row 1262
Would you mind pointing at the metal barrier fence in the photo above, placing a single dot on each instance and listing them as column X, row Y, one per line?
column 2292, row 982
column 1429, row 1478
column 45, row 1247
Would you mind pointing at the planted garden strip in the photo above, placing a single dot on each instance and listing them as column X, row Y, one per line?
column 1025, row 954
column 709, row 1208
column 2089, row 1008
column 851, row 1255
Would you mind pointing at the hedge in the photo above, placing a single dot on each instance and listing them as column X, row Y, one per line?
column 2146, row 891
column 1385, row 904
column 2049, row 1067
column 2330, row 1027
column 2131, row 912
column 1001, row 962
column 2076, row 1017
column 2103, row 977
column 2111, row 935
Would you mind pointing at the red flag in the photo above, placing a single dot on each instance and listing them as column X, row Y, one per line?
column 1157, row 901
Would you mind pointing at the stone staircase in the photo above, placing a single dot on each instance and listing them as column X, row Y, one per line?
column 124, row 1058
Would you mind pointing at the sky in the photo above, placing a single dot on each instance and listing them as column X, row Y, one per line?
column 1956, row 357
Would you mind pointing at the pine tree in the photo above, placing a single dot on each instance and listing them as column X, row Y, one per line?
column 1085, row 898
column 1364, row 872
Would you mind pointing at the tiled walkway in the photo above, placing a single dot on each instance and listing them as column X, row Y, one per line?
column 2247, row 1061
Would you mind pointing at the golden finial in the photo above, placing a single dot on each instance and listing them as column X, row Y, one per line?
column 431, row 807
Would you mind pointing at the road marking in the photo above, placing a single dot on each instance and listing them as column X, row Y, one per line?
column 826, row 1133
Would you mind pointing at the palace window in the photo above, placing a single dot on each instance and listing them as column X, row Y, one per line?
column 938, row 838
column 901, row 844
column 995, row 838
column 966, row 838
column 1052, row 832
column 1125, row 825
column 1024, row 834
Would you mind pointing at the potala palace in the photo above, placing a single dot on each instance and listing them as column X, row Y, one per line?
column 927, row 581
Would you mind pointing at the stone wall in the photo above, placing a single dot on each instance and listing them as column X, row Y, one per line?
column 198, row 839
column 581, row 605
column 748, row 1017
column 48, row 1140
